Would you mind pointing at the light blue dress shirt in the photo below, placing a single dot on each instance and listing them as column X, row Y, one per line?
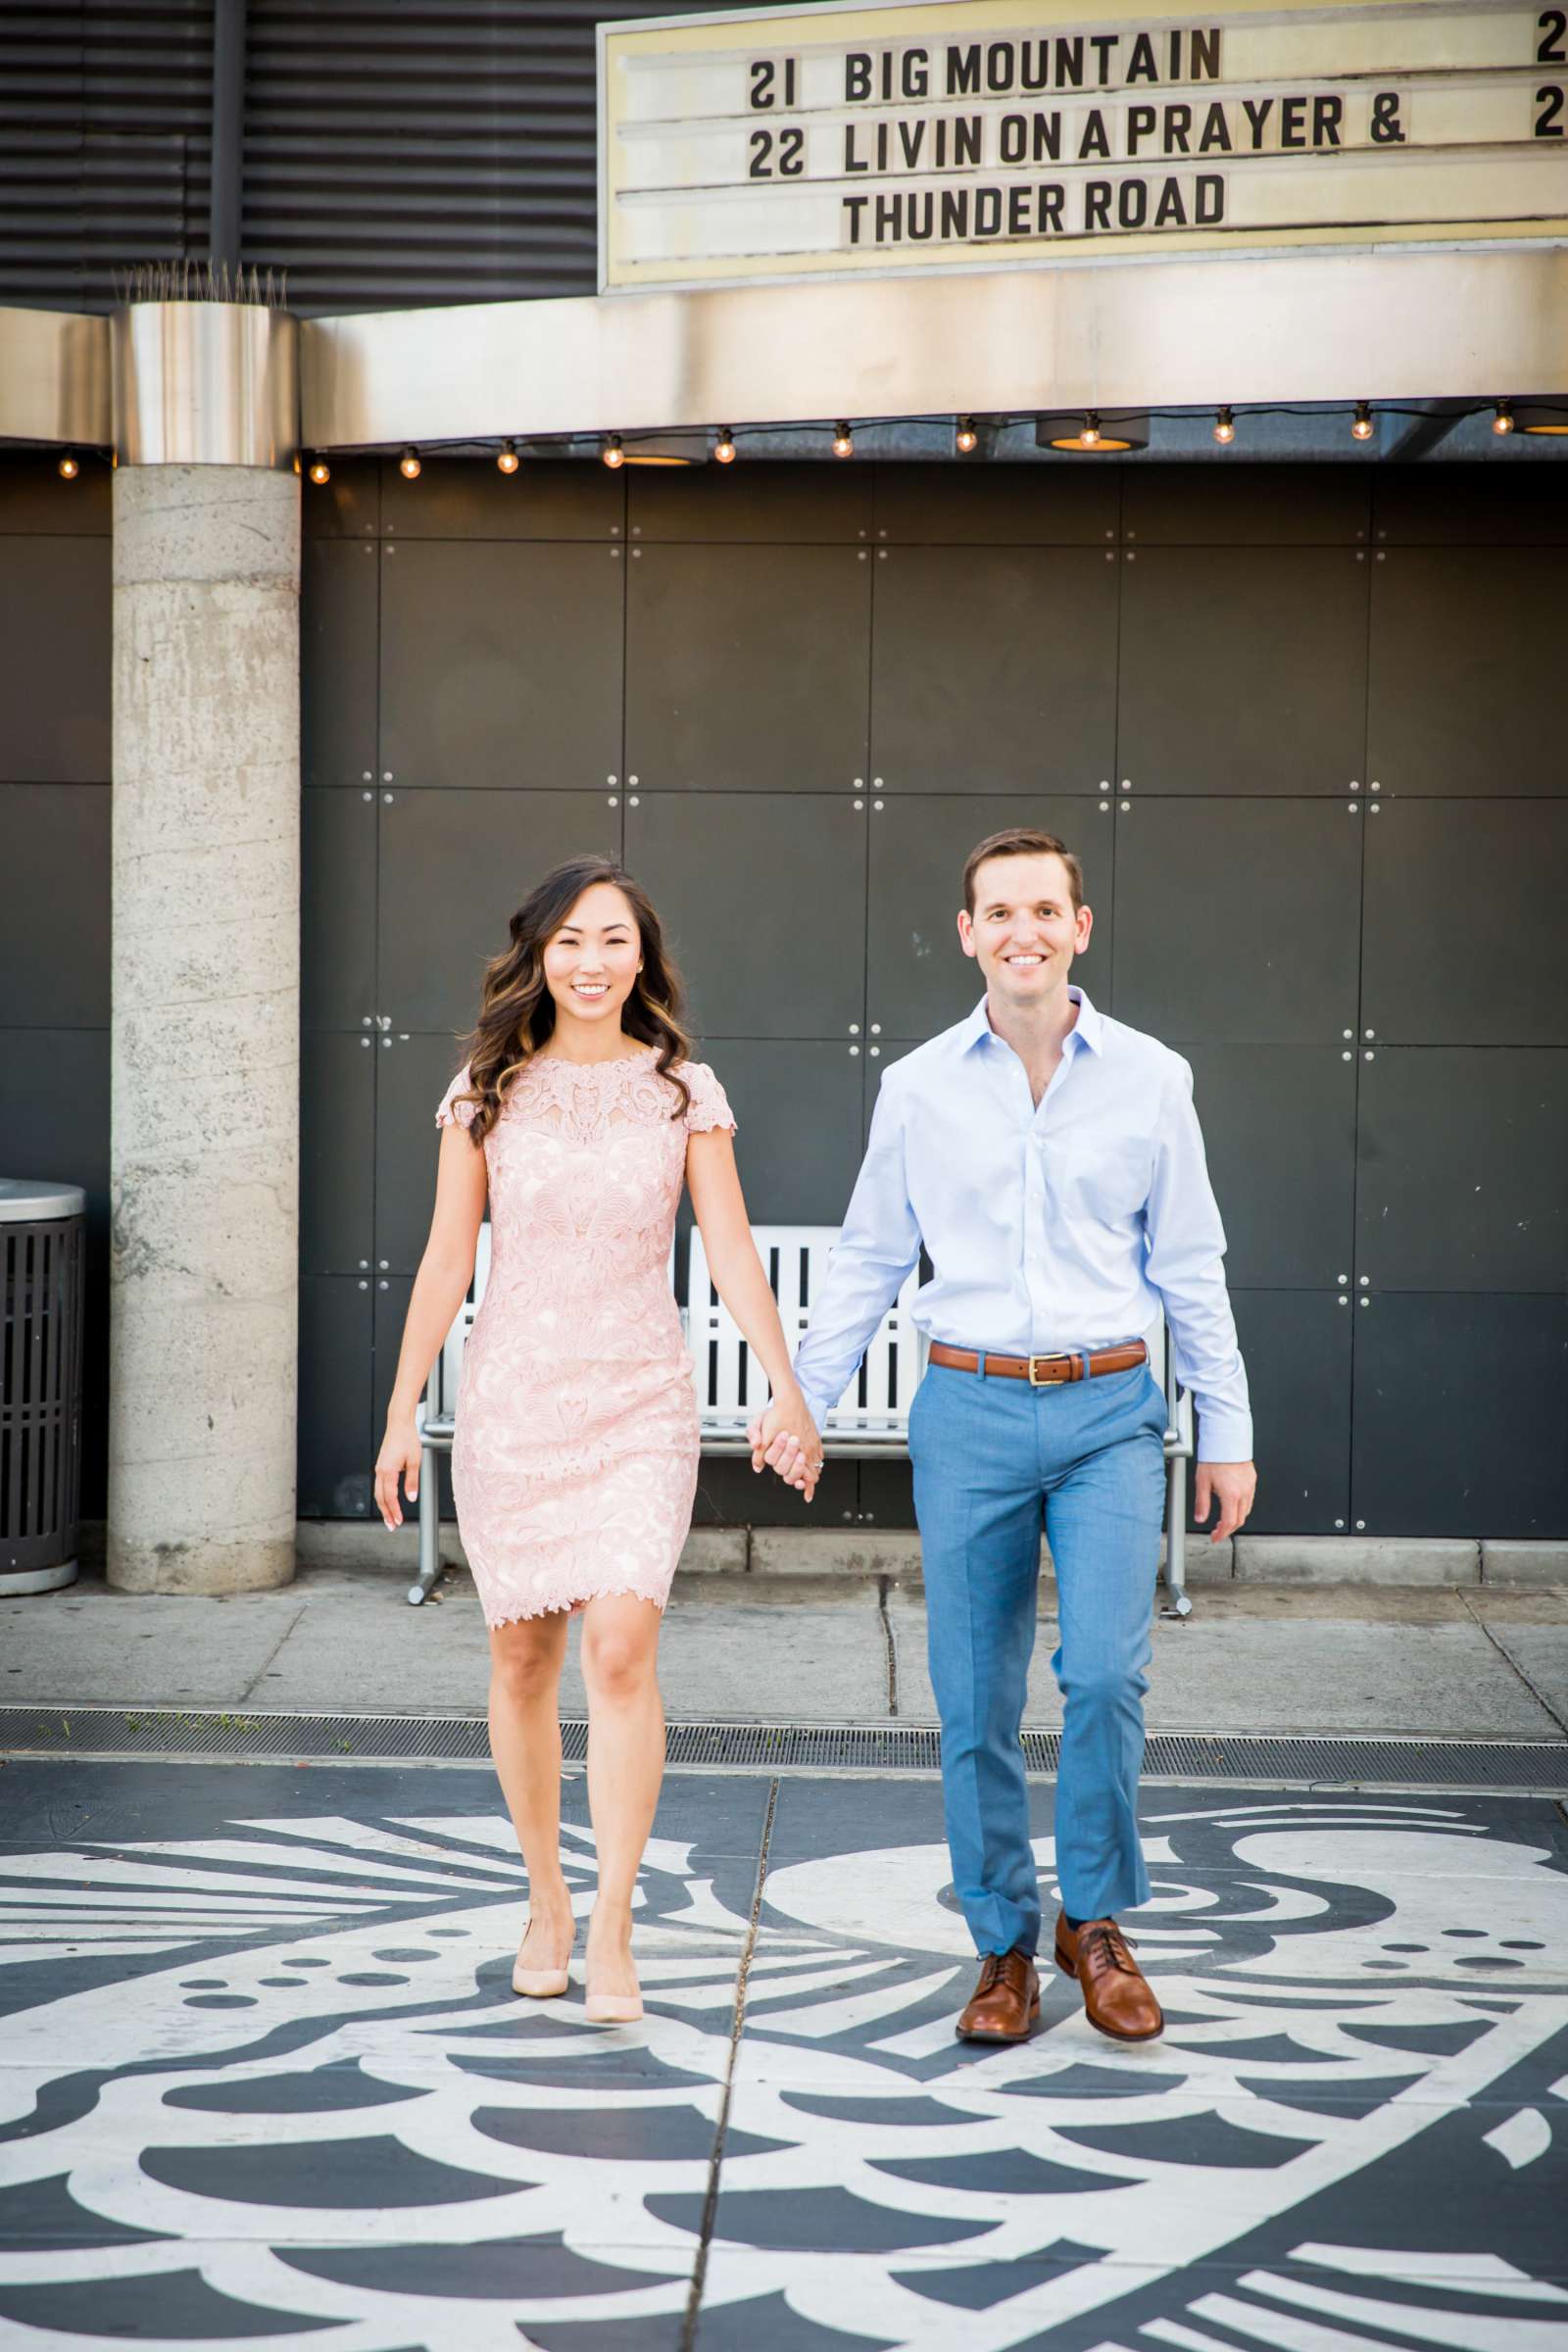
column 1068, row 1225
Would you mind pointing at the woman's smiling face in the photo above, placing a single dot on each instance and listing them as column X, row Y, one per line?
column 592, row 962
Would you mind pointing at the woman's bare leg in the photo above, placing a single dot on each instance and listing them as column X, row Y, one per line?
column 526, row 1742
column 625, row 1766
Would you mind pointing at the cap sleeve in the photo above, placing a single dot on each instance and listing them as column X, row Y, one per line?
column 452, row 1113
column 709, row 1106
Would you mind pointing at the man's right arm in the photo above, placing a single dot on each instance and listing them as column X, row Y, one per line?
column 876, row 1250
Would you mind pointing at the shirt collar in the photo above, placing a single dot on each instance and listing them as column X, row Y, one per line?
column 1089, row 1025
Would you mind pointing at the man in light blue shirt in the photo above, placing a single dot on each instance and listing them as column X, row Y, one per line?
column 1048, row 1159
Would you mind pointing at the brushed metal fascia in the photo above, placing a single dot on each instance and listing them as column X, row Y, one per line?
column 54, row 377
column 205, row 383
column 1320, row 328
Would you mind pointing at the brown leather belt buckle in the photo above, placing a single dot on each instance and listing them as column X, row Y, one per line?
column 1049, row 1380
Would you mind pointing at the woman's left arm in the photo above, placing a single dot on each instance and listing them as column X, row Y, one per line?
column 713, row 1182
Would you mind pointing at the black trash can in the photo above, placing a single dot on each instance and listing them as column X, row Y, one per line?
column 41, row 1248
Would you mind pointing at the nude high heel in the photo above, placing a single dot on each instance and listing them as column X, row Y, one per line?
column 537, row 1984
column 612, row 2008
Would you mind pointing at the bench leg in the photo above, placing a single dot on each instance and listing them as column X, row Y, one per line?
column 1178, row 1604
column 429, row 1527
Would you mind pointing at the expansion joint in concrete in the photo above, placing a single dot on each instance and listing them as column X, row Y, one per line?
column 1510, row 1661
column 716, row 2162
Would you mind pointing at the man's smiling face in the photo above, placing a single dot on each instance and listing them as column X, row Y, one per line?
column 1025, row 930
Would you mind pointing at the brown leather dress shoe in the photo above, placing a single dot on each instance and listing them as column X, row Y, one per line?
column 1005, row 2005
column 1118, row 1998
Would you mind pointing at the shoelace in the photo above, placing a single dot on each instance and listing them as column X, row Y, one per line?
column 1102, row 1945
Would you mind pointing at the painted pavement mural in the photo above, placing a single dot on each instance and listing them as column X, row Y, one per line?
column 263, row 2080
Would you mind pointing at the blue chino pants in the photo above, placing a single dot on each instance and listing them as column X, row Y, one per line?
column 993, row 1459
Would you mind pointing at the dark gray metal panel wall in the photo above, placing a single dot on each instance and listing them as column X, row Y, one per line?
column 54, row 868
column 1370, row 987
column 1375, row 1003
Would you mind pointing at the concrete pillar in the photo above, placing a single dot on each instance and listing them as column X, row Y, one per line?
column 205, row 1034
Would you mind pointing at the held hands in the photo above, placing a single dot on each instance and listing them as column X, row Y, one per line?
column 784, row 1438
column 1232, row 1485
column 400, row 1453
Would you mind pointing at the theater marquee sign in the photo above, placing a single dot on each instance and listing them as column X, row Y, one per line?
column 969, row 133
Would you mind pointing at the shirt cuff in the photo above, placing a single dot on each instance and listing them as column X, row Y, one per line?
column 1224, row 1435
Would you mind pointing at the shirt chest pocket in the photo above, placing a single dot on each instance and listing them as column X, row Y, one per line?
column 1104, row 1178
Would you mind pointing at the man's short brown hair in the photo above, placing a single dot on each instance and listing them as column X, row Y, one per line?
column 1022, row 841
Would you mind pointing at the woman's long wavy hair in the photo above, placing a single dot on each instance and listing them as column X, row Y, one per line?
column 517, row 1012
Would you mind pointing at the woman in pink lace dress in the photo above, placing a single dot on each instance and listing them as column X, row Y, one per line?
column 578, row 1116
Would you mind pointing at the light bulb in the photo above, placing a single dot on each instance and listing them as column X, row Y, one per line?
column 507, row 460
column 1361, row 429
column 70, row 467
column 321, row 471
column 409, row 465
column 966, row 438
column 1502, row 423
column 724, row 447
column 843, row 441
column 613, row 453
column 1089, row 436
column 1224, row 429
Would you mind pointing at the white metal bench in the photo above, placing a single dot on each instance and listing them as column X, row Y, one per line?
column 870, row 1423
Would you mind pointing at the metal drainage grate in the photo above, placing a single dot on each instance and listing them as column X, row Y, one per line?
column 239, row 1736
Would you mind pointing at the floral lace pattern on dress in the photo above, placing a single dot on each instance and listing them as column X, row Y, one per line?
column 574, row 1456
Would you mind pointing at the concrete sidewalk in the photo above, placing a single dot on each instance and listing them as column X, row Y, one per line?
column 1480, row 1661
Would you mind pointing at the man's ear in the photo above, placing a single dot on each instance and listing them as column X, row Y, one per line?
column 966, row 931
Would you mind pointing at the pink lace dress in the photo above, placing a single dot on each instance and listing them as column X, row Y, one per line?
column 574, row 1454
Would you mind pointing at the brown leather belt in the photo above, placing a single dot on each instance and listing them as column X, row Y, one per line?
column 1041, row 1371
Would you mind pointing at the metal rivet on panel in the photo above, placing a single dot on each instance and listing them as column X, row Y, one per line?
column 364, row 1265
column 876, row 1028
column 387, row 798
column 364, row 1286
column 613, row 798
column 1344, row 1303
column 870, row 1518
column 366, row 776
column 391, row 551
column 1126, row 783
column 881, row 554
column 366, row 796
column 636, row 555
column 1361, row 1526
column 636, row 530
column 1377, row 808
column 364, row 1041
column 1345, row 1278
column 1363, row 1302
column 859, row 783
column 615, row 530
column 854, row 1028
column 383, row 1285
column 1110, row 554
column 1124, row 806
column 1110, row 534
column 1353, row 805
column 1369, row 1057
column 1369, row 1032
column 1339, row 1522
column 1347, row 1055
column 387, row 1042
column 1383, row 534
column 1355, row 783
column 854, row 1050
column 1377, row 788
column 631, row 779
column 876, row 783
column 882, row 534
column 386, row 1264
column 876, row 803
column 1366, row 1282
column 1105, row 804
column 860, row 534
column 634, row 800
column 1131, row 558
column 367, row 1021
column 1360, row 556
column 387, row 776
column 1382, row 557
column 874, row 1051
column 611, row 779
column 863, row 555
column 847, row 1516
column 1132, row 534
column 614, row 555
column 859, row 803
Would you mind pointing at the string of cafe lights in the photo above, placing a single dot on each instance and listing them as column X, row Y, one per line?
column 1088, row 431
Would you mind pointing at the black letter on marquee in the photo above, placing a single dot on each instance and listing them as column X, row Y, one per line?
column 964, row 69
column 1386, row 130
column 854, row 205
column 1210, row 206
column 1204, row 63
column 1096, row 204
column 761, row 91
column 857, row 75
